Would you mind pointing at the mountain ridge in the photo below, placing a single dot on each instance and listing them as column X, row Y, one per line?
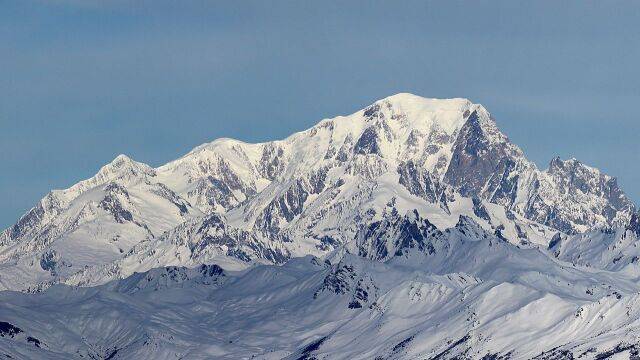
column 308, row 193
column 410, row 229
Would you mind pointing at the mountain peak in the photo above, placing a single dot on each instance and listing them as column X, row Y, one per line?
column 121, row 168
column 412, row 99
column 320, row 184
column 558, row 165
column 415, row 106
column 121, row 160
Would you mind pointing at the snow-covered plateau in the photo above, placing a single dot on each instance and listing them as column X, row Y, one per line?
column 411, row 229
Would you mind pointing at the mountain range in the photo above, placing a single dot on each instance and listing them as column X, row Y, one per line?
column 411, row 229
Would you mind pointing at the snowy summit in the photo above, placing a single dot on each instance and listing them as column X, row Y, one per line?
column 410, row 229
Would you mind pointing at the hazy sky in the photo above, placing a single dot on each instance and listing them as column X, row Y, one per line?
column 84, row 80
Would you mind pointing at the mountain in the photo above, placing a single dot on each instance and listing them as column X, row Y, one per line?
column 411, row 229
column 95, row 221
column 611, row 249
column 309, row 193
column 455, row 293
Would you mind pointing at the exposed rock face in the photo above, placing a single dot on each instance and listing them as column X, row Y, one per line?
column 420, row 182
column 479, row 209
column 573, row 197
column 368, row 142
column 33, row 221
column 171, row 277
column 116, row 202
column 272, row 161
column 395, row 234
column 290, row 204
column 578, row 181
column 634, row 224
column 569, row 196
column 483, row 160
column 213, row 234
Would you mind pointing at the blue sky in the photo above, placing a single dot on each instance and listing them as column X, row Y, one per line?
column 84, row 80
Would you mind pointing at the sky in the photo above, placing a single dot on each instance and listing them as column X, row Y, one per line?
column 82, row 81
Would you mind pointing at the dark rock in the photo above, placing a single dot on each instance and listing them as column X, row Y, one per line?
column 368, row 142
column 9, row 330
column 479, row 210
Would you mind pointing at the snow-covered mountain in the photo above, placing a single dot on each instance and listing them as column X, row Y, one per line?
column 465, row 293
column 97, row 220
column 612, row 249
column 310, row 193
column 402, row 209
